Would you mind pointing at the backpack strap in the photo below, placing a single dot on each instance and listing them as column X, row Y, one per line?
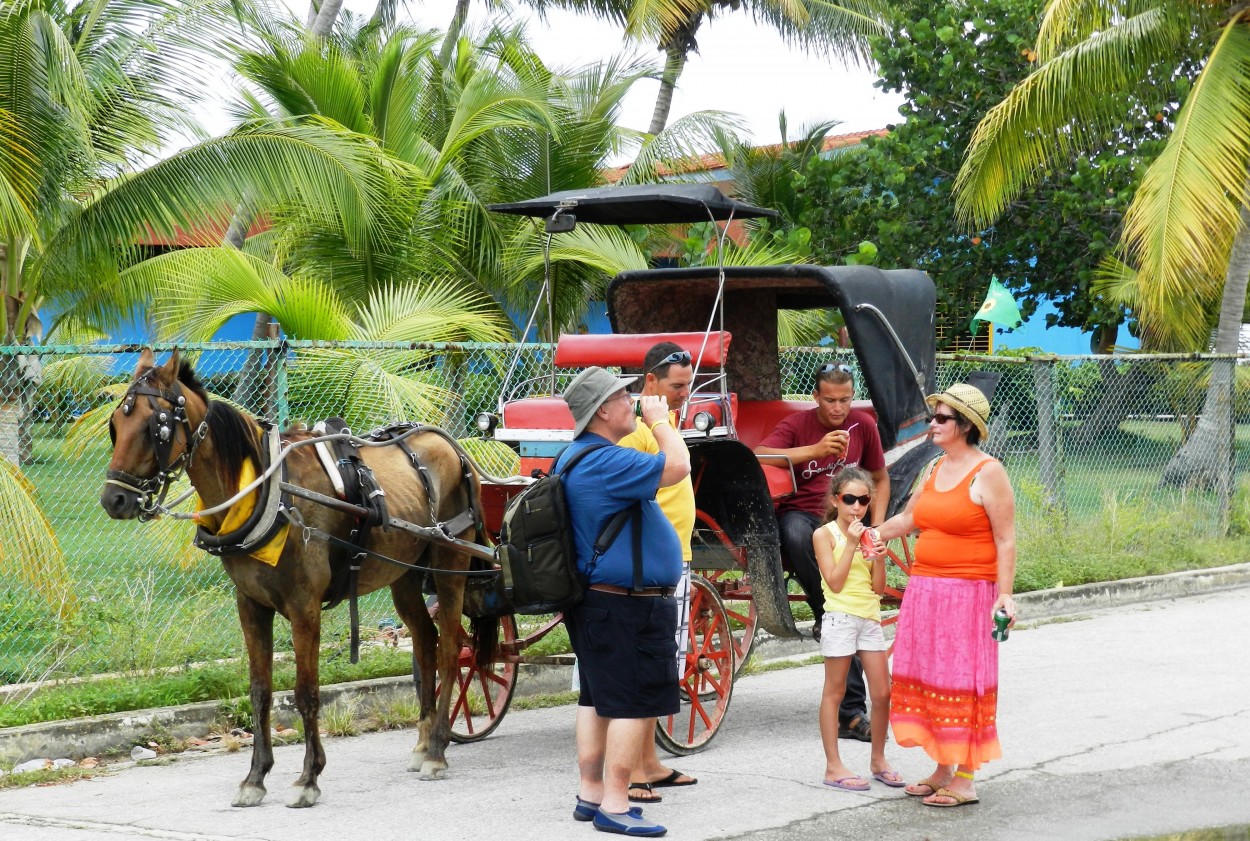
column 612, row 528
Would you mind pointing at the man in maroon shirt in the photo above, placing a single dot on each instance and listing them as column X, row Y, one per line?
column 818, row 443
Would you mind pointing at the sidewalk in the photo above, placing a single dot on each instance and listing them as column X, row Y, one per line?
column 118, row 732
column 1122, row 722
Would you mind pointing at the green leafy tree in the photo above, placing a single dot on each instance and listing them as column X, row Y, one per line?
column 952, row 62
column 1185, row 248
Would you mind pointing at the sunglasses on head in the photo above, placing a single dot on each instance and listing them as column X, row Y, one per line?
column 830, row 367
column 851, row 499
column 940, row 418
column 677, row 357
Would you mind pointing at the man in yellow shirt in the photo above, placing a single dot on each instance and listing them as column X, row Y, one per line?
column 668, row 373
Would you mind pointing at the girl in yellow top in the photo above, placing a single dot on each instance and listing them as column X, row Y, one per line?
column 852, row 623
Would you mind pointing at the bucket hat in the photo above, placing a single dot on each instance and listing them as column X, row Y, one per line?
column 969, row 401
column 588, row 391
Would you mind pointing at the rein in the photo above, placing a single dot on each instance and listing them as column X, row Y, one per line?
column 163, row 425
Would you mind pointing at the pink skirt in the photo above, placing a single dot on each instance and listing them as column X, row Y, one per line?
column 945, row 692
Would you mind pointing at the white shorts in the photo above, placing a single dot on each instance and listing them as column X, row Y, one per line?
column 842, row 635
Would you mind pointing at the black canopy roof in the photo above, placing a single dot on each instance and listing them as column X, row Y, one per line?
column 638, row 204
column 889, row 315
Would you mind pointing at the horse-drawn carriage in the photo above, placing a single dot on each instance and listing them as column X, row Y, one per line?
column 433, row 534
column 727, row 318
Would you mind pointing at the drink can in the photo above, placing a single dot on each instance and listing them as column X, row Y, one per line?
column 867, row 543
column 638, row 408
column 1001, row 621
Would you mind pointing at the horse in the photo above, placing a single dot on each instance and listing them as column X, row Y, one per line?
column 167, row 424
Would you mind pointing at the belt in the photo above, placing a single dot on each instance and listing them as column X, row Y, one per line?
column 625, row 591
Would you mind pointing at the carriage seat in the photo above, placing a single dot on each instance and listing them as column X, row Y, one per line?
column 628, row 350
column 756, row 419
column 553, row 412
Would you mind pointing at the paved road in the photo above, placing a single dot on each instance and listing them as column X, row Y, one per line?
column 1124, row 723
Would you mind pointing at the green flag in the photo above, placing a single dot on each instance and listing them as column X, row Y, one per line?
column 999, row 307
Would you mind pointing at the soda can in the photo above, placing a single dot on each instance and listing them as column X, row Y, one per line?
column 867, row 544
column 1001, row 621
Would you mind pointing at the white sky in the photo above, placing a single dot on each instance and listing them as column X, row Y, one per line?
column 741, row 68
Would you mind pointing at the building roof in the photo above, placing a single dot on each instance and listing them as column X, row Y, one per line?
column 713, row 164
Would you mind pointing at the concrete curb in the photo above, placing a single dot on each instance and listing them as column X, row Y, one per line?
column 101, row 734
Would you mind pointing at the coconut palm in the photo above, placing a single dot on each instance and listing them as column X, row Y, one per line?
column 829, row 27
column 1186, row 238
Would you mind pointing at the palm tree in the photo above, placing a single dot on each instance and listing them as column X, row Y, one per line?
column 832, row 27
column 1186, row 238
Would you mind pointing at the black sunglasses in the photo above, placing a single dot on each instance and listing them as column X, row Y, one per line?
column 851, row 499
column 677, row 357
column 940, row 418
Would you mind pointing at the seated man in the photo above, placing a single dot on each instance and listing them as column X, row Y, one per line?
column 818, row 443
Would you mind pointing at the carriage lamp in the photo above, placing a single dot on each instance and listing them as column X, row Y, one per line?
column 486, row 422
column 703, row 421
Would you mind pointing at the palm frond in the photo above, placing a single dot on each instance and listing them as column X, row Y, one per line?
column 1181, row 223
column 29, row 549
column 434, row 312
column 1063, row 108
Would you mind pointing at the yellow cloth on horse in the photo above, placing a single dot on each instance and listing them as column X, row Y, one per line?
column 237, row 516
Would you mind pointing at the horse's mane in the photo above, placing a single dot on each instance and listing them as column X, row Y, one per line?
column 236, row 436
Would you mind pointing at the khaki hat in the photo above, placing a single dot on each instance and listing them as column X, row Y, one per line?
column 967, row 400
column 588, row 391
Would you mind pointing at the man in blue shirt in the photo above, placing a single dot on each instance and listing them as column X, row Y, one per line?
column 623, row 630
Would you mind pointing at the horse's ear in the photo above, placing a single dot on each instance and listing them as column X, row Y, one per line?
column 146, row 361
column 169, row 371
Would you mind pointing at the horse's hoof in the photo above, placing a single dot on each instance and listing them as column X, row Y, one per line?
column 431, row 770
column 304, row 797
column 416, row 762
column 249, row 795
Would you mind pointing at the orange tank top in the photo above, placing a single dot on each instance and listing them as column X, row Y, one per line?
column 956, row 540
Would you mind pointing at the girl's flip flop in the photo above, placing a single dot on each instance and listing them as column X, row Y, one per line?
column 891, row 778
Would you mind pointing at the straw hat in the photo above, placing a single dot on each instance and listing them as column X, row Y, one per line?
column 969, row 401
column 588, row 391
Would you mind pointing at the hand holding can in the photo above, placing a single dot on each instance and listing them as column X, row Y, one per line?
column 868, row 540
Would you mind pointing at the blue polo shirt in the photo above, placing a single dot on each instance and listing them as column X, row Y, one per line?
column 604, row 482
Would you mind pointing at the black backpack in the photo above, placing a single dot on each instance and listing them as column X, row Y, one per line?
column 536, row 547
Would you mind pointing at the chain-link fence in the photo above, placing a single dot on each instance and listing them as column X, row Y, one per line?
column 82, row 594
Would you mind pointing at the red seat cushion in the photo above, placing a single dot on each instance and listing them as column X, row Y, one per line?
column 628, row 350
column 538, row 413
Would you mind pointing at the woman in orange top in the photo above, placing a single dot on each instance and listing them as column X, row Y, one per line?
column 945, row 661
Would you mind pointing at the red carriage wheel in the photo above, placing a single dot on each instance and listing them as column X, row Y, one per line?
column 706, row 684
column 482, row 694
column 735, row 593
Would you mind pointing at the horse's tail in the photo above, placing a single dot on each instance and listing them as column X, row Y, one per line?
column 485, row 639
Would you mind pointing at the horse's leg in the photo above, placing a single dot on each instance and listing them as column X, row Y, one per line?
column 306, row 637
column 410, row 604
column 257, row 623
column 450, row 602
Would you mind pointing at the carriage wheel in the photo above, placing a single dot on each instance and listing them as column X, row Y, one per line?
column 735, row 592
column 893, row 596
column 706, row 684
column 482, row 695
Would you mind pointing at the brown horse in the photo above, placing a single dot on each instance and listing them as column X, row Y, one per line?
column 167, row 423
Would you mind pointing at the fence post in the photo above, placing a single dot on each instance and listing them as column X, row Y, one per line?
column 282, row 404
column 1049, row 444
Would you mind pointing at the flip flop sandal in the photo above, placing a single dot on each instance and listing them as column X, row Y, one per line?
column 647, row 787
column 673, row 781
column 845, row 784
column 960, row 800
column 891, row 778
column 927, row 782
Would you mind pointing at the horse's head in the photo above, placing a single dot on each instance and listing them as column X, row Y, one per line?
column 154, row 439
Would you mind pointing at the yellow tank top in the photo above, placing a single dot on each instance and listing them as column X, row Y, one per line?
column 857, row 597
column 676, row 501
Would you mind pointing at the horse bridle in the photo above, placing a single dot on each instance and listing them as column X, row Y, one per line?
column 162, row 424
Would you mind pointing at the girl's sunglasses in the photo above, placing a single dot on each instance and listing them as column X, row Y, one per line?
column 851, row 499
column 940, row 418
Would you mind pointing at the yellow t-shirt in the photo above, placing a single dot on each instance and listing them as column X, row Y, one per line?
column 676, row 501
column 857, row 597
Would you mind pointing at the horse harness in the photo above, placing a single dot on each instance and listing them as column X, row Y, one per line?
column 162, row 426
